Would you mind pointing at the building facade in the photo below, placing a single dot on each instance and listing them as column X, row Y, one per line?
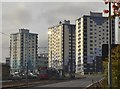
column 23, row 51
column 42, row 61
column 5, row 71
column 91, row 32
column 8, row 61
column 61, row 46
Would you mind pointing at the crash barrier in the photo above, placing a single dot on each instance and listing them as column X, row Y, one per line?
column 95, row 85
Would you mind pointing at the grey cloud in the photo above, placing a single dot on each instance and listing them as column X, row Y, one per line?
column 16, row 14
column 69, row 11
column 24, row 16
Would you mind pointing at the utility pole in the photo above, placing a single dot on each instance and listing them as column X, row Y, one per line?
column 109, row 59
column 109, row 46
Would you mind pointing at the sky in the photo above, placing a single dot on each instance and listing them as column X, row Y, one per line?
column 39, row 16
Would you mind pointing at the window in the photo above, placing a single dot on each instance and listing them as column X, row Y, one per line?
column 90, row 25
column 85, row 19
column 79, row 19
column 106, row 22
column 85, row 23
column 91, row 48
column 90, row 21
column 91, row 33
column 85, row 31
column 85, row 27
column 91, row 29
column 91, row 37
column 85, row 38
column 79, row 34
column 79, row 23
column 91, row 44
column 91, row 40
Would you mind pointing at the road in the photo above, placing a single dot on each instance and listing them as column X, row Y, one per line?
column 80, row 83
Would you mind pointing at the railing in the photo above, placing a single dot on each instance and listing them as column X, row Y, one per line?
column 95, row 85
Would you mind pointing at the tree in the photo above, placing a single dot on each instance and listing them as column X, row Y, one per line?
column 115, row 66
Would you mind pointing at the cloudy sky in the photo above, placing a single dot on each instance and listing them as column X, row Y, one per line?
column 38, row 16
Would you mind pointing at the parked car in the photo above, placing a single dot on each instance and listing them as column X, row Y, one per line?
column 16, row 77
column 23, row 76
column 32, row 76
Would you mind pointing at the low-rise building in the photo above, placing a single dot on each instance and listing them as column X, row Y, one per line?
column 42, row 60
column 8, row 61
column 5, row 71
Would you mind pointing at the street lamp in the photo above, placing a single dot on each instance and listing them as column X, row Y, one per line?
column 109, row 48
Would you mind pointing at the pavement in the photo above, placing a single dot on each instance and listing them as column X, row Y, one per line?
column 5, row 81
column 73, row 84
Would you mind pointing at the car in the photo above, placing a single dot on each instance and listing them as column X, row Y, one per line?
column 16, row 77
column 32, row 76
column 23, row 76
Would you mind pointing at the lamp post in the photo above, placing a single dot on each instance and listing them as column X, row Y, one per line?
column 109, row 47
column 109, row 58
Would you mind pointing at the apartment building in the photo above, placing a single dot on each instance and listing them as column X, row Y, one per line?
column 23, row 51
column 61, row 46
column 91, row 32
